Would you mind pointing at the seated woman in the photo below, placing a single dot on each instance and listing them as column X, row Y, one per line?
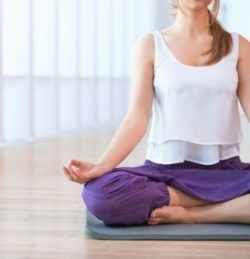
column 190, row 76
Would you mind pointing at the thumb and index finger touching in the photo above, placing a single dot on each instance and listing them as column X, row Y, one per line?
column 75, row 162
column 80, row 172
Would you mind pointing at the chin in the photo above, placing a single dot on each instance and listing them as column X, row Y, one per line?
column 196, row 4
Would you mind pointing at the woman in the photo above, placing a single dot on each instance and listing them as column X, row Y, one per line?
column 192, row 75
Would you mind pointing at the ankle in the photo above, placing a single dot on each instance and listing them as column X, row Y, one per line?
column 191, row 217
column 186, row 216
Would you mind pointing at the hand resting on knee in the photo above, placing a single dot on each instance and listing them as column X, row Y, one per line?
column 82, row 172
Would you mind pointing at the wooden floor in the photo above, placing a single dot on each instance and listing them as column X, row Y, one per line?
column 42, row 216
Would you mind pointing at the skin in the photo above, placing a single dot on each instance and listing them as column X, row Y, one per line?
column 188, row 38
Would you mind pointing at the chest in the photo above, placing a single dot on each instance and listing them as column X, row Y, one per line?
column 190, row 52
column 174, row 77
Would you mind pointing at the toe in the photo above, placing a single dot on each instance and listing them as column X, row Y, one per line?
column 152, row 222
column 154, row 213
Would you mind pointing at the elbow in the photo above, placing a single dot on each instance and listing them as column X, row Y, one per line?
column 139, row 124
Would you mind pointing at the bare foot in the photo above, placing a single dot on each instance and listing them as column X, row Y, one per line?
column 169, row 214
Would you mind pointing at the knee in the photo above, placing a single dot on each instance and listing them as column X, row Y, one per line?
column 118, row 199
column 104, row 197
column 99, row 206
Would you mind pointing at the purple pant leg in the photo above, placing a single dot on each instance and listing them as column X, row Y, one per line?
column 127, row 195
column 123, row 198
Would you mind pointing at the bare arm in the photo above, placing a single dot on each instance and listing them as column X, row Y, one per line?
column 244, row 76
column 134, row 125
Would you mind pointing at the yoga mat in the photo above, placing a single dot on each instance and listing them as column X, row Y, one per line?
column 97, row 229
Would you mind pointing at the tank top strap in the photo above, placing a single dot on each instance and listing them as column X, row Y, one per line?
column 160, row 53
column 235, row 47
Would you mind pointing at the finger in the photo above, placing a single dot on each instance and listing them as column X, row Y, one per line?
column 69, row 174
column 75, row 162
column 73, row 169
column 76, row 175
column 80, row 177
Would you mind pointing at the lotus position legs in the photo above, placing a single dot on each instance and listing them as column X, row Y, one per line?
column 187, row 209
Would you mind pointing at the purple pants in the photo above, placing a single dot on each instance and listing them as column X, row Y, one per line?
column 127, row 195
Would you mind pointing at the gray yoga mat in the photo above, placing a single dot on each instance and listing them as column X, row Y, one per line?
column 97, row 229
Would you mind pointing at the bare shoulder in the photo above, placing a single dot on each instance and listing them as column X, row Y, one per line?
column 144, row 47
column 146, row 40
column 244, row 51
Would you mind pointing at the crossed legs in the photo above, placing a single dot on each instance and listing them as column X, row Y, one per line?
column 186, row 209
column 122, row 197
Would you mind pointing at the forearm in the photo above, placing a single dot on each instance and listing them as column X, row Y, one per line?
column 124, row 141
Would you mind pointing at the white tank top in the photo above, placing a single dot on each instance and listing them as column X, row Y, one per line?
column 195, row 113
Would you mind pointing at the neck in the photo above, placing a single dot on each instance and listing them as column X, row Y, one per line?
column 193, row 23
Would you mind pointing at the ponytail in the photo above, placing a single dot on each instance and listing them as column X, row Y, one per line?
column 222, row 40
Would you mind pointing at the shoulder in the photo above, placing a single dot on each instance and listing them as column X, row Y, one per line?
column 244, row 43
column 144, row 47
column 146, row 40
column 145, row 43
column 244, row 48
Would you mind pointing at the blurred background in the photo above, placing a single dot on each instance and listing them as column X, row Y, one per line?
column 65, row 64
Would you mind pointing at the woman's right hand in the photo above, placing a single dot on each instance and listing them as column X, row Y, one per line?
column 82, row 172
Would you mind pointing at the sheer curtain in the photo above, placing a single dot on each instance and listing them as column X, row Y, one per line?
column 65, row 64
column 235, row 16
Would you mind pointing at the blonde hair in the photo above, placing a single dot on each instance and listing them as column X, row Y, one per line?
column 222, row 40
